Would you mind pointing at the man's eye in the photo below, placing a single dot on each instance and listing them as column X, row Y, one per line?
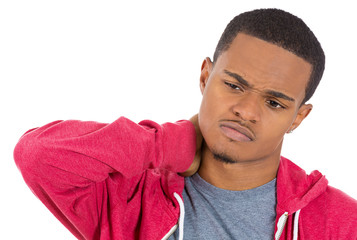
column 274, row 104
column 233, row 86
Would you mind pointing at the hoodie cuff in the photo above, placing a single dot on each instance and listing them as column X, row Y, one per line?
column 178, row 145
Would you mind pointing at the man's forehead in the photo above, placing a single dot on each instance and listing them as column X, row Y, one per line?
column 243, row 40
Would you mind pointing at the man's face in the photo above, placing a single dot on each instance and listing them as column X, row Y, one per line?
column 251, row 98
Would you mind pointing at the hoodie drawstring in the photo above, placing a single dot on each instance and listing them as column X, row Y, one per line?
column 296, row 225
column 182, row 215
column 281, row 224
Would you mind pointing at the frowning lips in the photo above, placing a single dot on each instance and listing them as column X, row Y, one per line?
column 236, row 131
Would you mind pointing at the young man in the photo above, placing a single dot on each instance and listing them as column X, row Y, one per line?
column 120, row 180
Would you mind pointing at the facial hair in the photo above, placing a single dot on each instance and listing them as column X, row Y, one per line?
column 222, row 157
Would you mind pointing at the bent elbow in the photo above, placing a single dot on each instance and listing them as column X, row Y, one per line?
column 27, row 154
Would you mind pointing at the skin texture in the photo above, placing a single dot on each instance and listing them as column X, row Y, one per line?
column 244, row 90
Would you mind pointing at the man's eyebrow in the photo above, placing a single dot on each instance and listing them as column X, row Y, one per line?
column 244, row 82
column 239, row 78
column 280, row 95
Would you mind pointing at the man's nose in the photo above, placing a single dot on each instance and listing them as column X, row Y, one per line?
column 248, row 107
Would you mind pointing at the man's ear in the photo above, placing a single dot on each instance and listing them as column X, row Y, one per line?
column 303, row 112
column 205, row 73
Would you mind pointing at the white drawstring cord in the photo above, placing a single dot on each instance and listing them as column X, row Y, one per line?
column 296, row 225
column 281, row 224
column 182, row 215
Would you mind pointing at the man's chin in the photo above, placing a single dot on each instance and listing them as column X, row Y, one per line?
column 222, row 157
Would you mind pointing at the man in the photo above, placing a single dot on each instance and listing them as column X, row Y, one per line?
column 120, row 181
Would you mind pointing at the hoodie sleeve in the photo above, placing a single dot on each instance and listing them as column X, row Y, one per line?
column 64, row 161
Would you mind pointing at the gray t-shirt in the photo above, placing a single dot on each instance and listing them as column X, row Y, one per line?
column 214, row 213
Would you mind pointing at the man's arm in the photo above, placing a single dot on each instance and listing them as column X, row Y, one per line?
column 66, row 163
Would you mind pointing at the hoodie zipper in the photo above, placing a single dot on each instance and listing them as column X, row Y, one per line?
column 281, row 224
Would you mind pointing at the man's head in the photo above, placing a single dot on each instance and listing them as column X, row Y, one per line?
column 255, row 90
column 283, row 29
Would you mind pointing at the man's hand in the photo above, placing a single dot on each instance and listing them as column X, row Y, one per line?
column 197, row 160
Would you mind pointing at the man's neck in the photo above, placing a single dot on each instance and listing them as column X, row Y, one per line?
column 238, row 176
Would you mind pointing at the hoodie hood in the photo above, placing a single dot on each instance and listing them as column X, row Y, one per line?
column 295, row 188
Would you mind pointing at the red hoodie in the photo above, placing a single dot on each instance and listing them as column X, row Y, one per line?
column 119, row 181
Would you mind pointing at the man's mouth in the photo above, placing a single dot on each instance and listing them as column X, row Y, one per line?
column 236, row 132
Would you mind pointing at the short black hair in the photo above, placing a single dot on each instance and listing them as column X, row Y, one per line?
column 282, row 29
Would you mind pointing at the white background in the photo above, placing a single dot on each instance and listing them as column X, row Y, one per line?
column 98, row 60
